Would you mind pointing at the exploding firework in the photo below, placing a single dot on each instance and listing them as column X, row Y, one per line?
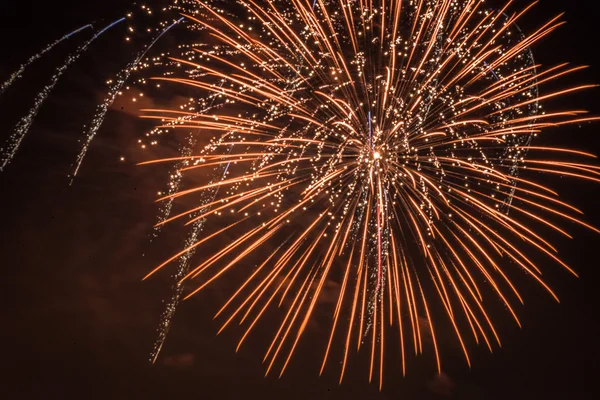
column 368, row 151
column 383, row 140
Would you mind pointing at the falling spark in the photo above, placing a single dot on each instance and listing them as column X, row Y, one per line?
column 10, row 149
column 114, row 89
column 19, row 73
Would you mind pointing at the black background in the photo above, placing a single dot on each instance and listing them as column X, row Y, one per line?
column 77, row 319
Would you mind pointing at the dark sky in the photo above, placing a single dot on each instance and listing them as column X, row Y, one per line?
column 78, row 320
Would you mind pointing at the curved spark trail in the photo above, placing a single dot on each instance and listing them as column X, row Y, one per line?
column 10, row 149
column 19, row 73
column 191, row 143
column 183, row 268
column 114, row 89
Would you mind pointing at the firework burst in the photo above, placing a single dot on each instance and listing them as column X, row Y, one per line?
column 379, row 143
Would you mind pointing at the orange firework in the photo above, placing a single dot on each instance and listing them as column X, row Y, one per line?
column 379, row 142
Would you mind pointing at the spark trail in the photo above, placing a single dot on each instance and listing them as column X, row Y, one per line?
column 113, row 91
column 174, row 182
column 166, row 318
column 183, row 267
column 14, row 141
column 19, row 73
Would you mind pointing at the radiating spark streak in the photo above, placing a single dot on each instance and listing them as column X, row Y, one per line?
column 337, row 310
column 296, row 268
column 581, row 153
column 248, row 298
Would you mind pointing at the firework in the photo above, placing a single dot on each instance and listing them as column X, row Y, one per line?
column 25, row 123
column 19, row 72
column 114, row 90
column 368, row 151
column 384, row 140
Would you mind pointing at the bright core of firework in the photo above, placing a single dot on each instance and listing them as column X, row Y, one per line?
column 373, row 152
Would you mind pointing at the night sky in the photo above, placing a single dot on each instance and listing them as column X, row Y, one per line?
column 77, row 320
